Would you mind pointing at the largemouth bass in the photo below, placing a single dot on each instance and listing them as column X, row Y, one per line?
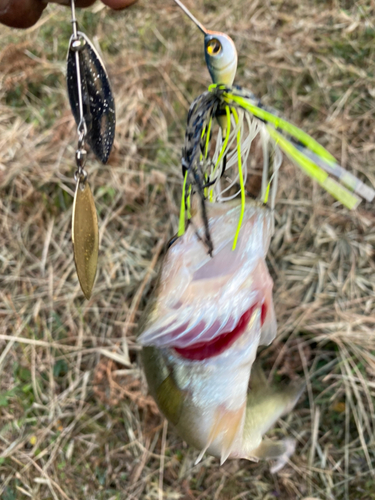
column 202, row 333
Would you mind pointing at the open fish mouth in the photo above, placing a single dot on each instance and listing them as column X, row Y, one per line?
column 205, row 305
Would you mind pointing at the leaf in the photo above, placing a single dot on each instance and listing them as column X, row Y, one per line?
column 24, row 374
column 9, row 494
column 60, row 368
column 97, row 97
column 3, row 400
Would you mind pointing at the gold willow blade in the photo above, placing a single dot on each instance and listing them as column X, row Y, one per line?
column 85, row 236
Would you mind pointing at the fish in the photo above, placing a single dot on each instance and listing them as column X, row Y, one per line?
column 201, row 332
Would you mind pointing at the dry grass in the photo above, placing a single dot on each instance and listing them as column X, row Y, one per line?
column 75, row 418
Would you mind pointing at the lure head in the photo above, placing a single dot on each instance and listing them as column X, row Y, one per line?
column 221, row 57
column 219, row 50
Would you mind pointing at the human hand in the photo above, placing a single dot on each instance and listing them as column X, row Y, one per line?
column 25, row 13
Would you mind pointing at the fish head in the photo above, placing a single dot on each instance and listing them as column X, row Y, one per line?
column 221, row 57
column 202, row 298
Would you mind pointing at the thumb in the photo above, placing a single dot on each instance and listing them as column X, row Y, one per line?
column 20, row 13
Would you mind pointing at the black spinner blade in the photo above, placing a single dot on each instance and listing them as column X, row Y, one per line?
column 97, row 97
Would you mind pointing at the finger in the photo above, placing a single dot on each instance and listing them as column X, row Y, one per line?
column 118, row 4
column 20, row 13
column 25, row 13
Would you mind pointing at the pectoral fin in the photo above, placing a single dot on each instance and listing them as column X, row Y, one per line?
column 169, row 398
column 227, row 426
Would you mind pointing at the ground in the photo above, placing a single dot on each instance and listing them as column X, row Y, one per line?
column 75, row 418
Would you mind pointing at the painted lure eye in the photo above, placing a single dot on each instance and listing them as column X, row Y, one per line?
column 214, row 47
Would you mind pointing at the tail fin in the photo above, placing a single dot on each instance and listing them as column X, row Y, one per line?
column 280, row 451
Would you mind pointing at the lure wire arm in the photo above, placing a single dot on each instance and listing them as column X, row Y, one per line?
column 76, row 43
column 190, row 15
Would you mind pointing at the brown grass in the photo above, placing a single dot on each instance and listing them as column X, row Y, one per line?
column 75, row 418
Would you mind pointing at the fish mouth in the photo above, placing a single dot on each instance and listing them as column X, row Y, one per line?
column 207, row 307
column 201, row 351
